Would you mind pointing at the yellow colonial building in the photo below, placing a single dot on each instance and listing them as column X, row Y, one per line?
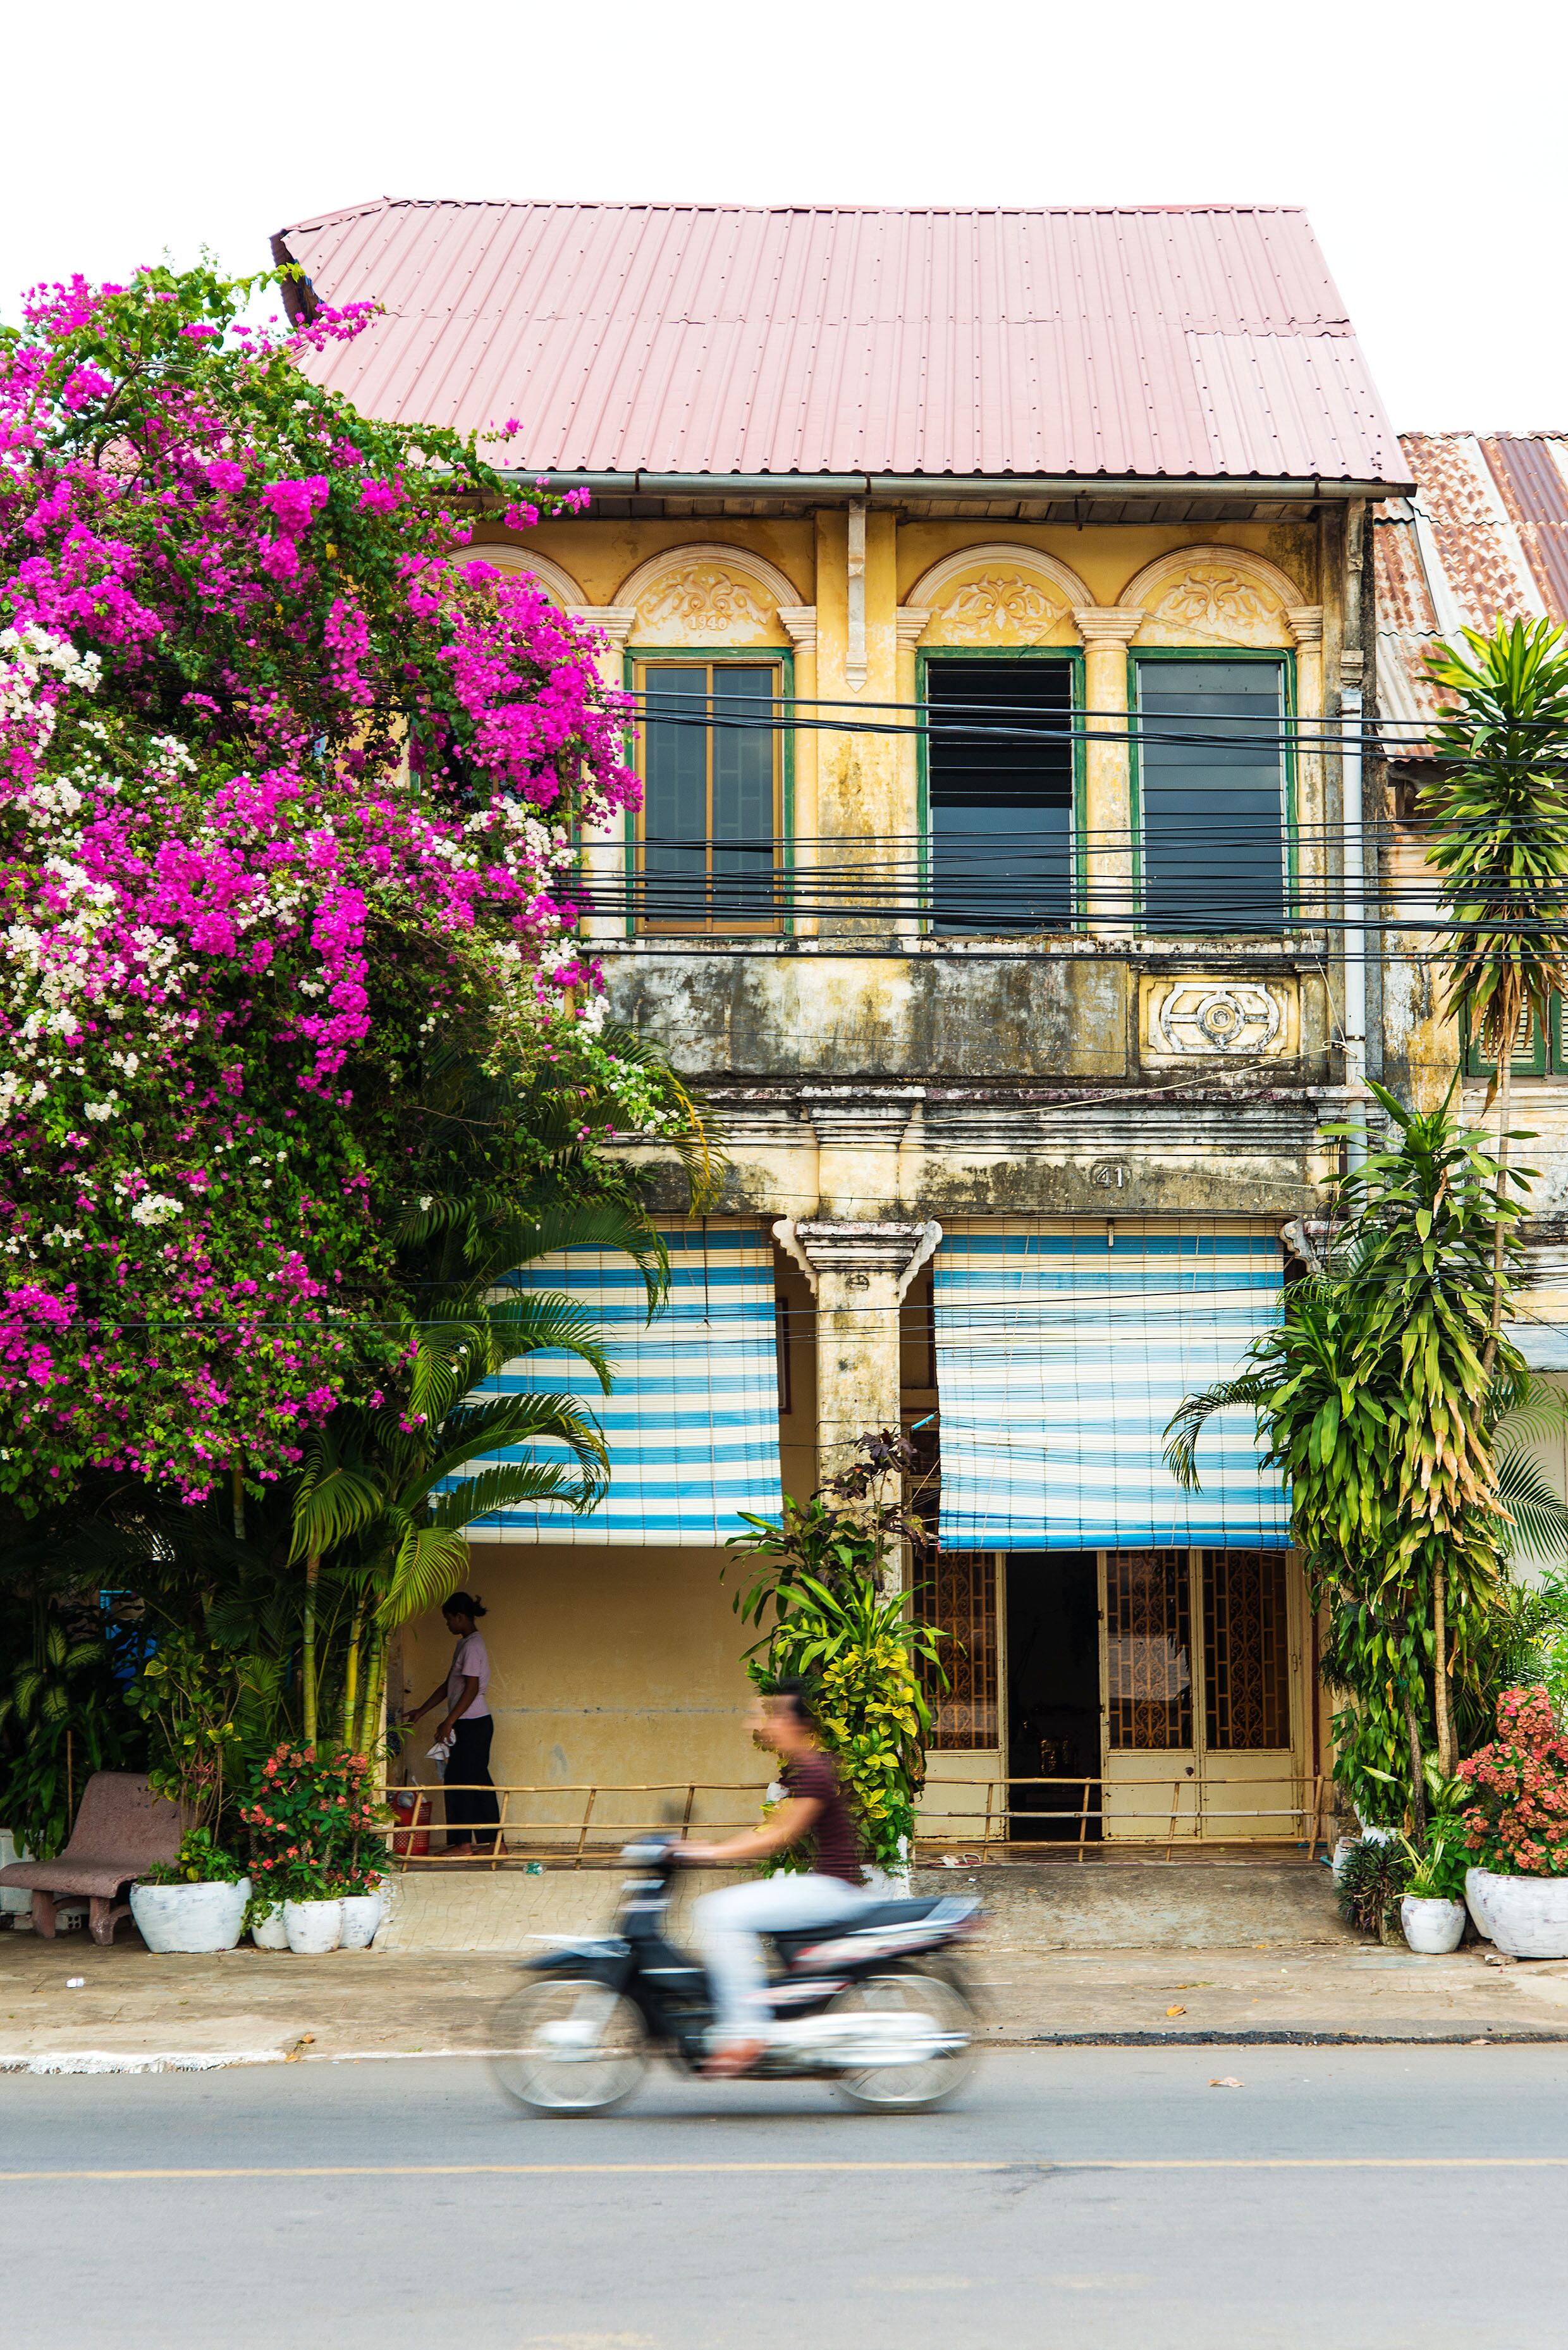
column 993, row 592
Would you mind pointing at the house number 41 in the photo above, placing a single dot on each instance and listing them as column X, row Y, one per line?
column 1108, row 1174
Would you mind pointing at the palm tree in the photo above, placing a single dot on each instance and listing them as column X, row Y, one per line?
column 507, row 1174
column 1498, row 809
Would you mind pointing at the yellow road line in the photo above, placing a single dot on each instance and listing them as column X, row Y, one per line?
column 873, row 2168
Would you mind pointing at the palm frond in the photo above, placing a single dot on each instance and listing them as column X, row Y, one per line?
column 430, row 1562
column 509, row 1485
column 1540, row 1516
column 546, row 1321
column 335, row 1500
column 623, row 1227
column 477, row 1430
column 1185, row 1426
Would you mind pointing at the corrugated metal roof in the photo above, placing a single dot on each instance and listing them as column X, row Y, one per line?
column 1181, row 342
column 1484, row 538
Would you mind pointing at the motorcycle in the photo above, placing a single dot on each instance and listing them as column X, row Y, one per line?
column 874, row 2003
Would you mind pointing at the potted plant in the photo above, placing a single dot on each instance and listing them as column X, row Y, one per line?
column 1432, row 1909
column 311, row 1911
column 1372, row 1885
column 364, row 1905
column 196, row 1902
column 314, row 1845
column 1517, row 1829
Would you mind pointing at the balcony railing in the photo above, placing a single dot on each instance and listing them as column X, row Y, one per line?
column 583, row 1825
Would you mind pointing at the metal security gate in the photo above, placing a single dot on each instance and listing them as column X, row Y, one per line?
column 1203, row 1690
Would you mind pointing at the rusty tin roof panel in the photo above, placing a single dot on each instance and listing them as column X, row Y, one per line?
column 1484, row 538
column 691, row 339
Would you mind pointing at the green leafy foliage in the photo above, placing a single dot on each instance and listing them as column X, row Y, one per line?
column 198, row 1862
column 313, row 1822
column 1497, row 813
column 1373, row 1402
column 824, row 1564
column 1373, row 1880
column 61, row 1719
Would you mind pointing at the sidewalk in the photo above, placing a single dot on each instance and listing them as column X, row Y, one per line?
column 136, row 2012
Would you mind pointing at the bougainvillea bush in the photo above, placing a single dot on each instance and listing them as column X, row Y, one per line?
column 288, row 799
column 1518, row 1818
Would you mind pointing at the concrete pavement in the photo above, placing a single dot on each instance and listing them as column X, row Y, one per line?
column 1116, row 2198
column 259, row 2006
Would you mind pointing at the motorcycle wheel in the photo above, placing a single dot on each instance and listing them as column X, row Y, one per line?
column 569, row 2045
column 909, row 2088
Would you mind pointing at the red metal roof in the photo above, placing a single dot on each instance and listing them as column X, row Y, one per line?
column 1484, row 538
column 1179, row 342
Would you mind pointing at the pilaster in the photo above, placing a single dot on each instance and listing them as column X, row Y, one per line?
column 1108, row 885
column 800, row 619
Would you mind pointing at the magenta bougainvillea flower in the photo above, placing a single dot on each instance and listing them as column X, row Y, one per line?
column 287, row 804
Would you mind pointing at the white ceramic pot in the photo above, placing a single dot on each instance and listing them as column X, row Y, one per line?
column 270, row 1933
column 1433, row 1928
column 190, row 1917
column 313, row 1927
column 1528, row 1914
column 361, row 1915
column 15, row 1900
column 1477, row 1880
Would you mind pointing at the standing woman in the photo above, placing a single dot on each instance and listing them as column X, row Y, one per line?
column 471, row 1801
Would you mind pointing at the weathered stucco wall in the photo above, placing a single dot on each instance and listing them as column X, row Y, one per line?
column 613, row 1664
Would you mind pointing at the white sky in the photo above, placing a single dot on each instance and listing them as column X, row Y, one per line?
column 1425, row 140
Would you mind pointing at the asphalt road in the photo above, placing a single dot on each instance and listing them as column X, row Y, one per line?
column 1354, row 2198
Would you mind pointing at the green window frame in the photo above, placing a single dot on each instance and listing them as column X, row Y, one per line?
column 1545, row 1055
column 1070, row 657
column 1141, row 659
column 709, row 901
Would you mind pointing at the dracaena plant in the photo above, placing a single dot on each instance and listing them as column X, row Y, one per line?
column 1497, row 818
column 1372, row 1404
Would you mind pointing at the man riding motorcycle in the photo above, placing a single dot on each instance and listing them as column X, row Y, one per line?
column 728, row 1923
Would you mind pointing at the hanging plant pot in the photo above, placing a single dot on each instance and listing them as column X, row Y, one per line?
column 178, row 1918
column 313, row 1927
column 1433, row 1928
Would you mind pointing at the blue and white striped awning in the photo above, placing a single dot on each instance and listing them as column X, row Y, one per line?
column 1061, row 1357
column 692, row 1421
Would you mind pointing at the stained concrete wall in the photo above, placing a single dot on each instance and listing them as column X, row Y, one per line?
column 610, row 1665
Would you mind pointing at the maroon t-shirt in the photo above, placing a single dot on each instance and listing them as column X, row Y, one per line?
column 812, row 1780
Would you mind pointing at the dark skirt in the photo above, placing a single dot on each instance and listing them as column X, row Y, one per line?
column 470, row 1804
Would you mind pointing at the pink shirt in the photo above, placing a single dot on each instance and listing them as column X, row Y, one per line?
column 470, row 1658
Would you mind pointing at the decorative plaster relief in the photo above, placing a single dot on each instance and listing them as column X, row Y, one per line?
column 1214, row 595
column 999, row 607
column 1217, row 606
column 1203, row 1017
column 702, row 603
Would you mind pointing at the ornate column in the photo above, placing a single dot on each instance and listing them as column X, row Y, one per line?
column 1108, row 886
column 608, row 857
column 1312, row 812
column 800, row 621
column 859, row 1273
